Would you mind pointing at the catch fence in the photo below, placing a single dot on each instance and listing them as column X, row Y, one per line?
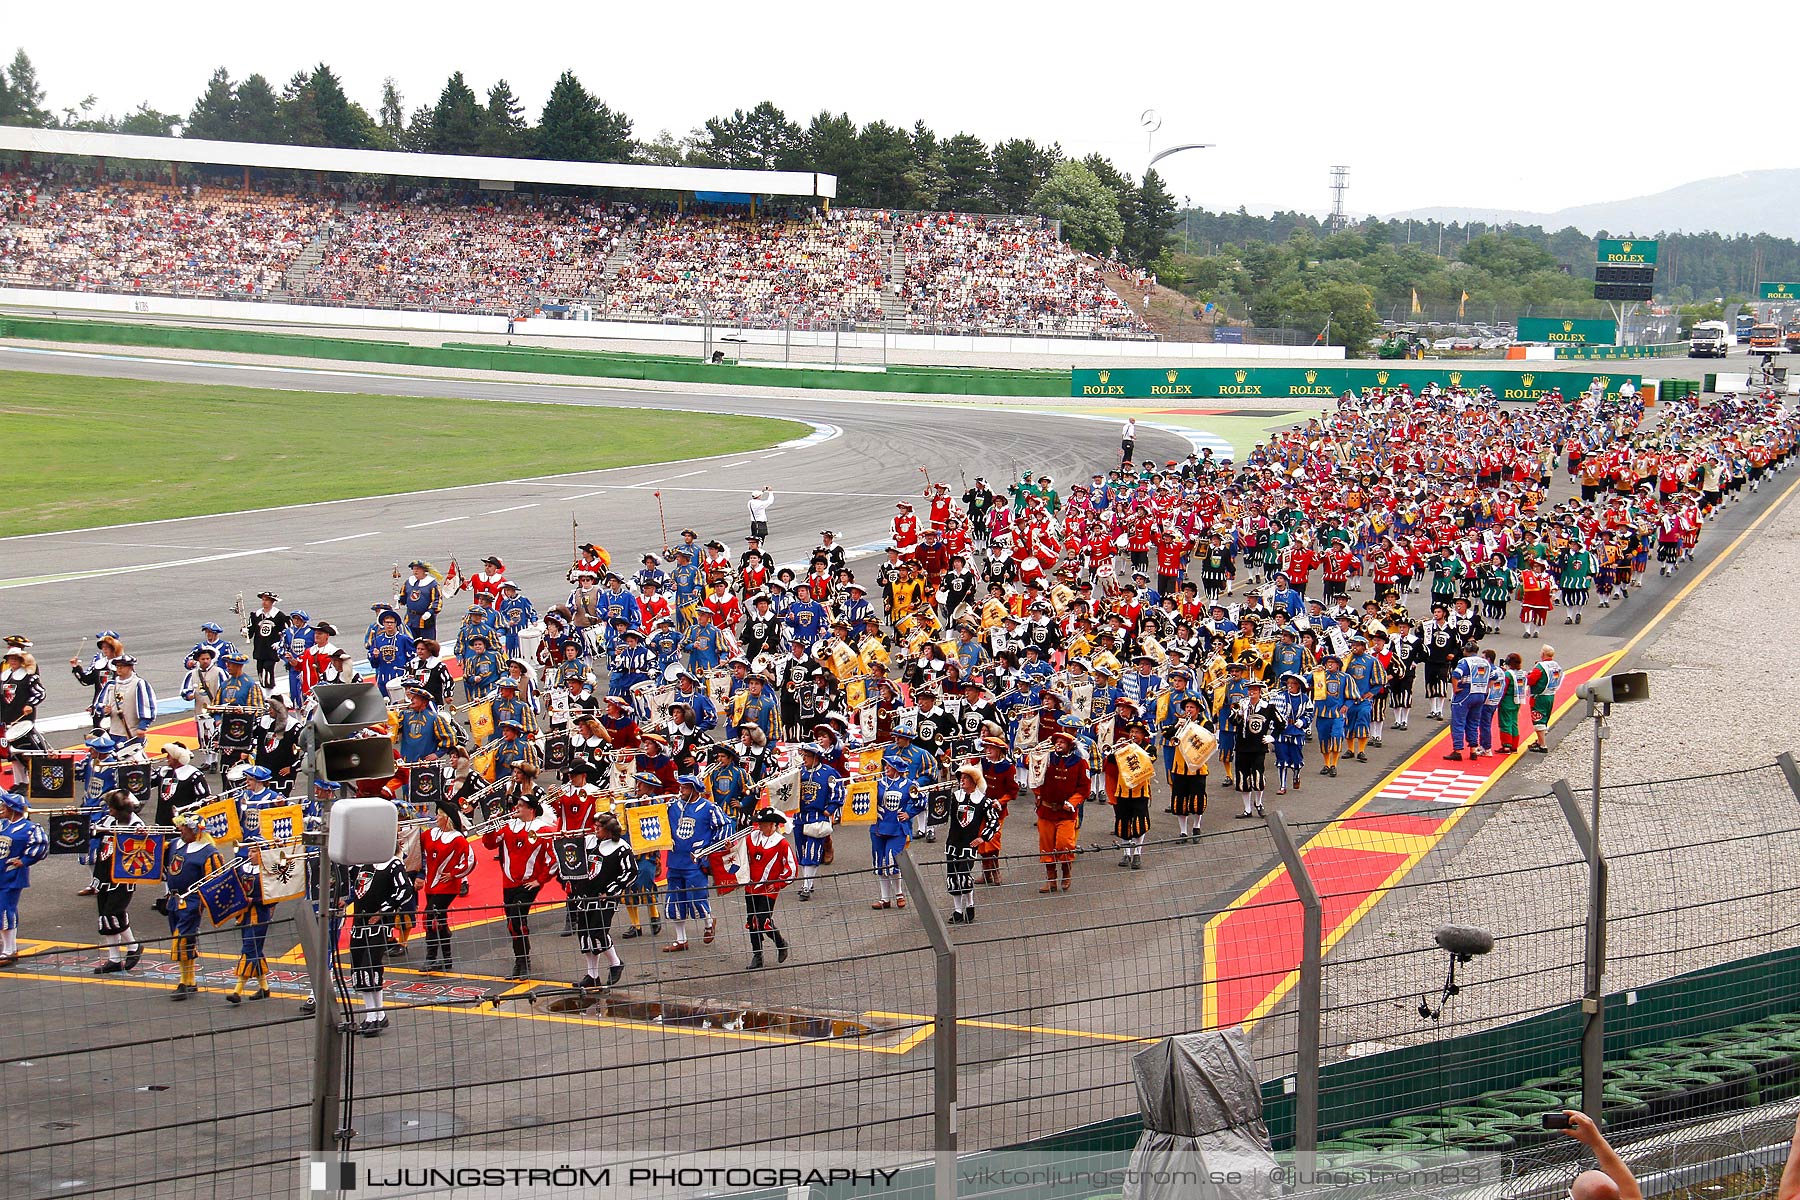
column 1026, row 1020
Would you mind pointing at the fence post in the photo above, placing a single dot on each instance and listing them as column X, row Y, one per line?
column 327, row 1039
column 943, row 1029
column 1790, row 769
column 1307, row 1035
column 1593, row 1000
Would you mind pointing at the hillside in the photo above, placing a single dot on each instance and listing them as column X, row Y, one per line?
column 1749, row 202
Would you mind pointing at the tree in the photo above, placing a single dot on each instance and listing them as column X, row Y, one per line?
column 1088, row 210
column 663, row 151
column 926, row 181
column 24, row 95
column 391, row 116
column 417, row 138
column 1021, row 167
column 577, row 127
column 884, row 160
column 762, row 139
column 1152, row 212
column 341, row 122
column 148, row 122
column 456, row 118
column 830, row 146
column 215, row 113
column 300, row 121
column 968, row 174
column 504, row 132
column 258, row 117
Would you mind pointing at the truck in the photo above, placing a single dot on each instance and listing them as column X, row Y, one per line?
column 1793, row 337
column 1766, row 338
column 1709, row 339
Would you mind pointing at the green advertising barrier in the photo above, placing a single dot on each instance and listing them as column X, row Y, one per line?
column 1610, row 353
column 1778, row 291
column 910, row 380
column 1567, row 331
column 1176, row 384
column 1626, row 252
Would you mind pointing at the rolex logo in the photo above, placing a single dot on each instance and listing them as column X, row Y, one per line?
column 1605, row 382
column 1172, row 376
column 1568, row 327
column 1312, row 377
column 1625, row 246
column 1381, row 377
column 1106, row 377
column 1525, row 380
column 1456, row 379
column 1242, row 375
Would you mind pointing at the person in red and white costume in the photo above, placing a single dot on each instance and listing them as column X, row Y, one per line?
column 772, row 868
column 906, row 528
column 527, row 860
column 937, row 497
column 485, row 584
column 445, row 860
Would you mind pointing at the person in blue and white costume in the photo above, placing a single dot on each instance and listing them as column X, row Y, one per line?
column 821, row 802
column 895, row 801
column 22, row 842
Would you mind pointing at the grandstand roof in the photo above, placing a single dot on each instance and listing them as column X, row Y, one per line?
column 421, row 166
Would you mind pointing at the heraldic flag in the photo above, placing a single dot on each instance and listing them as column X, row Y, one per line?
column 138, row 857
column 223, row 894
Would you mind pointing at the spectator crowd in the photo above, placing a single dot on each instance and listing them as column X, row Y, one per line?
column 451, row 250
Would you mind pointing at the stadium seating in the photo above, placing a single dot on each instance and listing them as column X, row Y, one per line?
column 131, row 238
column 454, row 251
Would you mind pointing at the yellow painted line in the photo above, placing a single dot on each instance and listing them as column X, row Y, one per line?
column 1210, row 1002
column 1375, row 841
column 966, row 1023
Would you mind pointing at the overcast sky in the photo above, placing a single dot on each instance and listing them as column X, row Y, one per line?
column 1518, row 105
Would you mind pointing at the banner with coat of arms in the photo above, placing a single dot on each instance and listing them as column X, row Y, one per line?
column 50, row 777
column 283, row 823
column 138, row 857
column 647, row 827
column 221, row 821
column 859, row 802
column 283, row 870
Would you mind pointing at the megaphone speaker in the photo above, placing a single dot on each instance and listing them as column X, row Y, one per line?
column 346, row 708
column 356, row 758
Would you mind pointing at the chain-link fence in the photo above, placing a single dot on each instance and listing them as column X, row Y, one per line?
column 888, row 1033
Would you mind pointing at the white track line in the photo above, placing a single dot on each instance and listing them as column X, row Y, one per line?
column 494, row 512
column 69, row 576
column 348, row 537
column 440, row 521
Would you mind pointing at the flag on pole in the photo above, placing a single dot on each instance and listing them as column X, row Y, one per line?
column 1415, row 296
column 1461, row 305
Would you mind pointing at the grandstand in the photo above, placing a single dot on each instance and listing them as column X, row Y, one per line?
column 356, row 241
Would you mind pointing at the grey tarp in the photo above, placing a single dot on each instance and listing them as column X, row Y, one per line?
column 1204, row 1137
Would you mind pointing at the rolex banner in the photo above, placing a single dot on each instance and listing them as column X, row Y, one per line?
column 1321, row 383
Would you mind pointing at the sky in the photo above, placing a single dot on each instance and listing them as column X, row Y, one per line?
column 1523, row 106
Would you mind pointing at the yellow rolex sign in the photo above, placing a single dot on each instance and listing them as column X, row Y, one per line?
column 1565, row 331
column 1626, row 252
column 1778, row 291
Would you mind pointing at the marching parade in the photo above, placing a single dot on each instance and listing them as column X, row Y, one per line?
column 659, row 734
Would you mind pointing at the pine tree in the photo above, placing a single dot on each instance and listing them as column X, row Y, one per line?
column 215, row 113
column 968, row 175
column 504, row 132
column 456, row 119
column 24, row 94
column 258, row 115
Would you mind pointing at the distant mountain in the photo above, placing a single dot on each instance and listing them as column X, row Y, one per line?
column 1748, row 202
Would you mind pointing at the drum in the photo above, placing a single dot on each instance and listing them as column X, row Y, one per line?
column 530, row 638
column 1061, row 596
column 21, row 737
